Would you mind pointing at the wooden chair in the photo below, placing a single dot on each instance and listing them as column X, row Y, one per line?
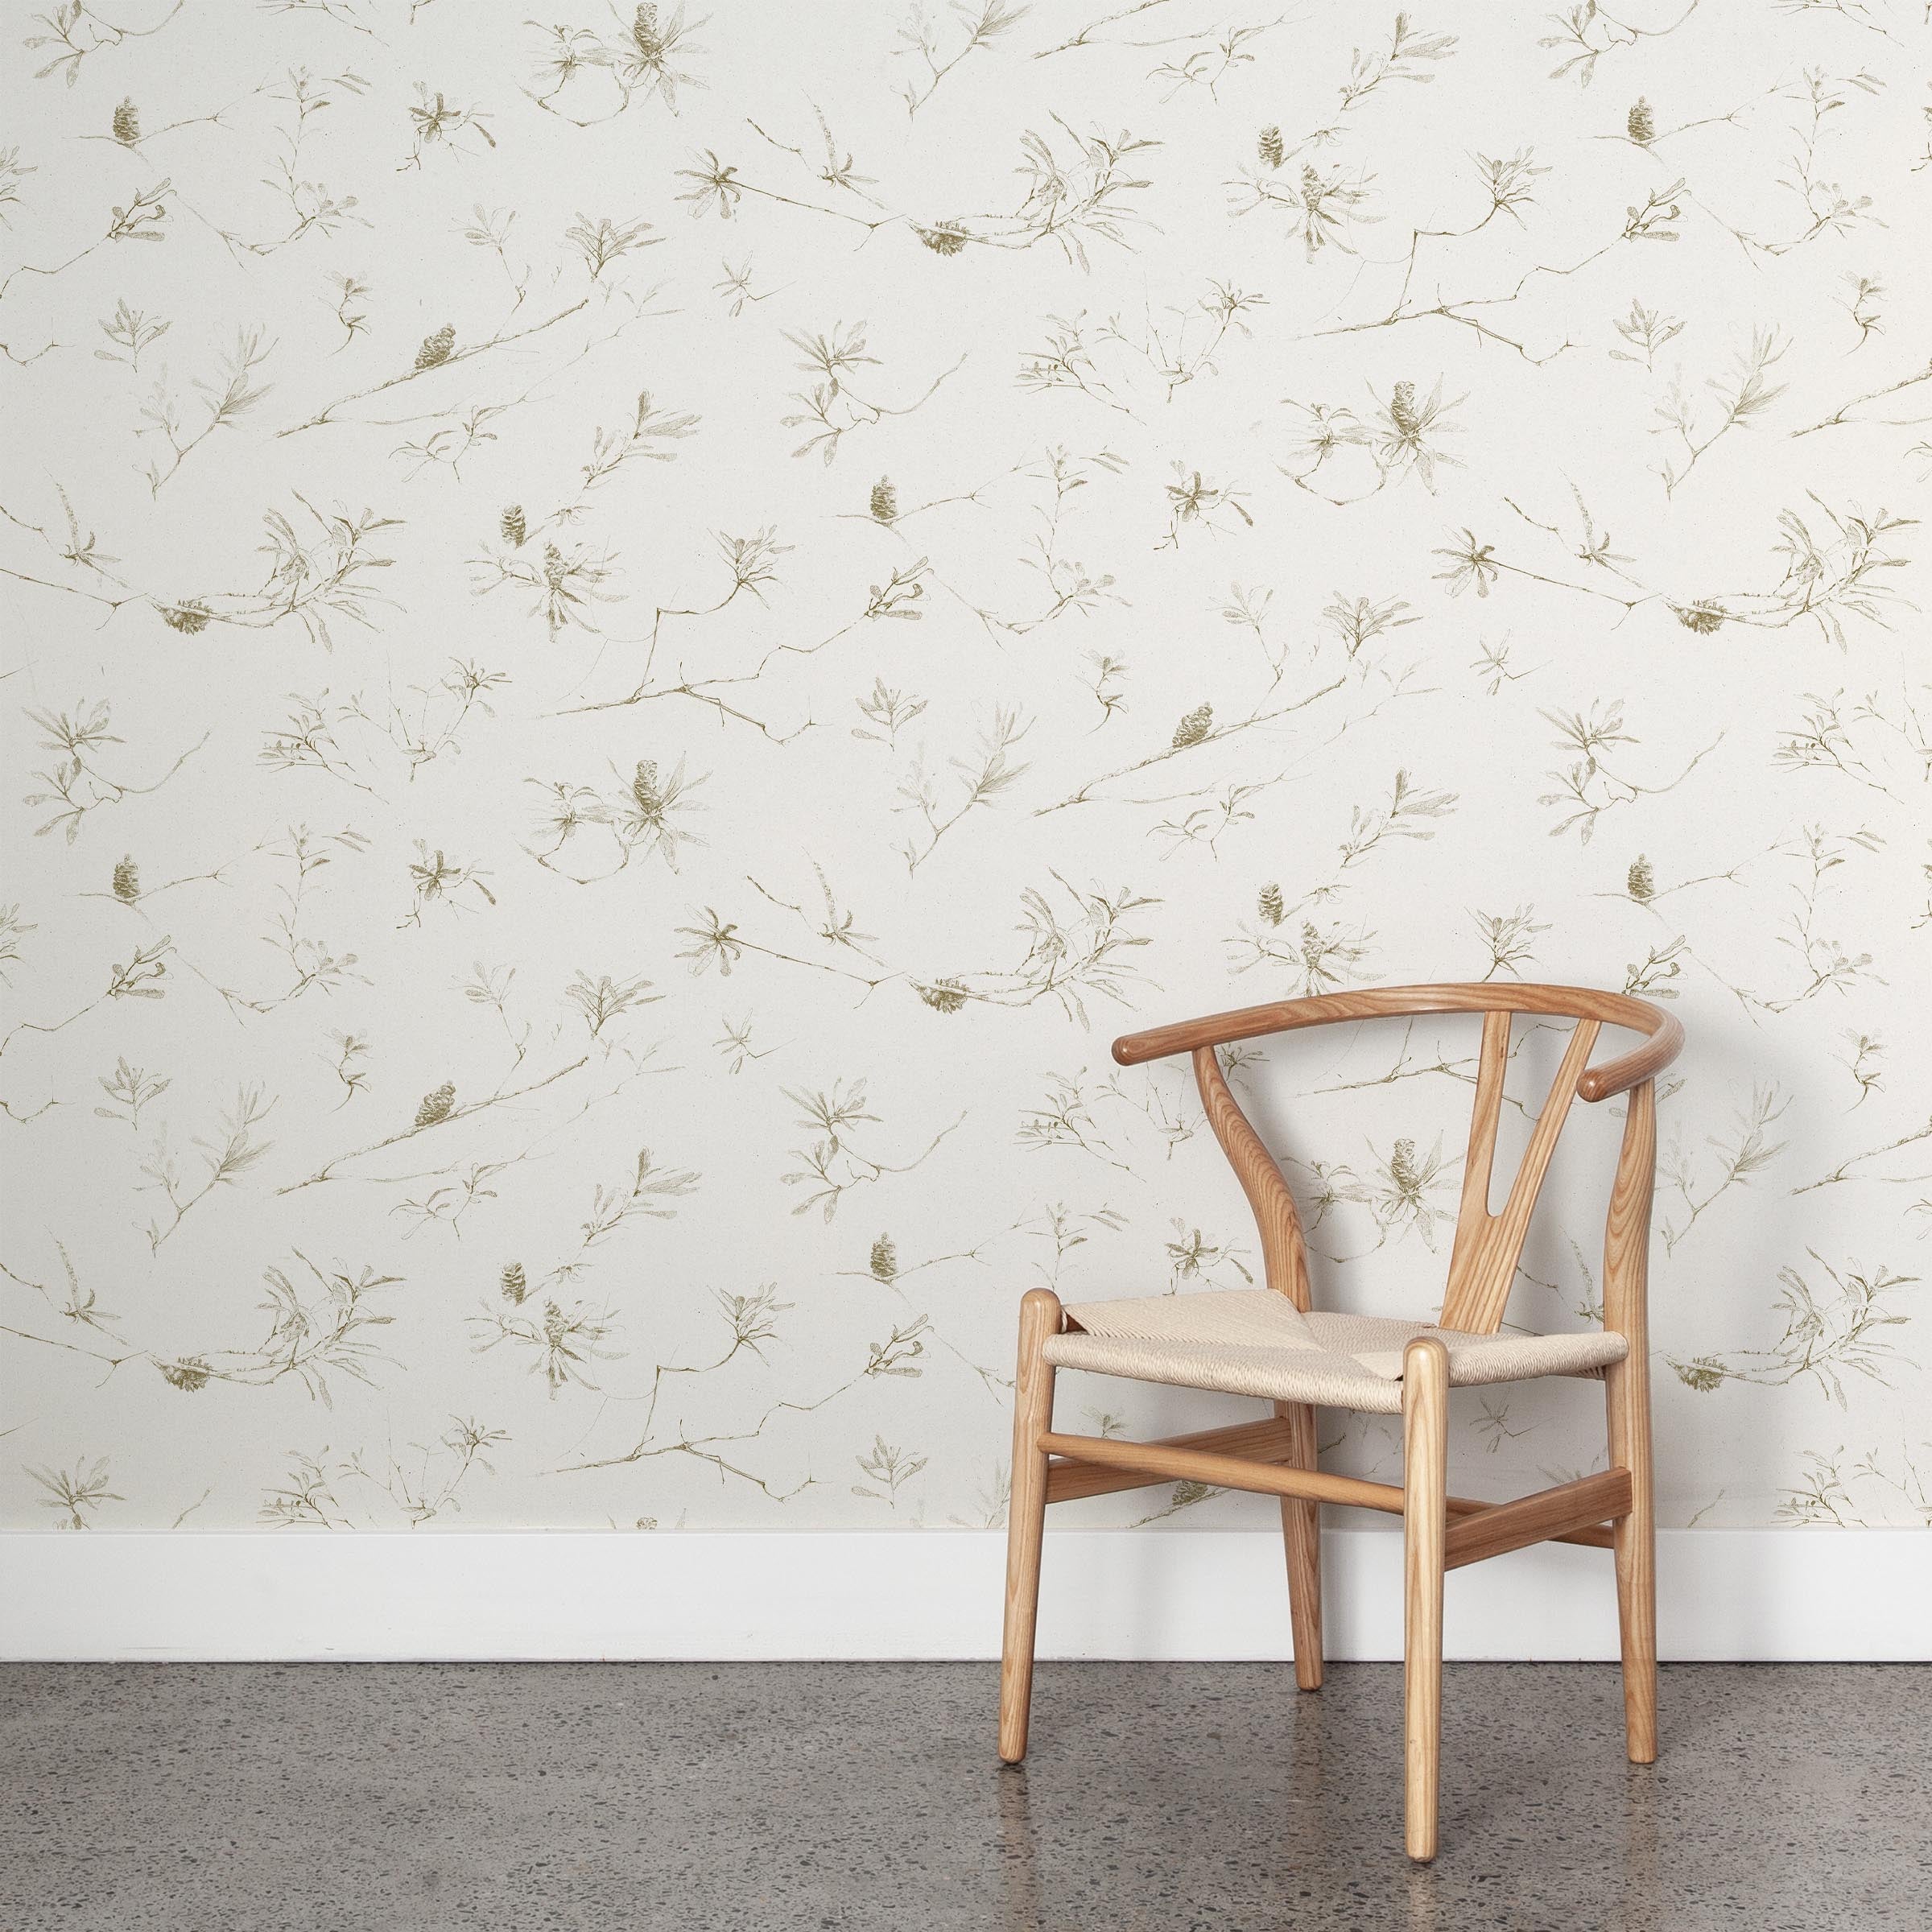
column 1268, row 1343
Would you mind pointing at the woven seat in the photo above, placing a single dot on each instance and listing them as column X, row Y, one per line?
column 1252, row 1341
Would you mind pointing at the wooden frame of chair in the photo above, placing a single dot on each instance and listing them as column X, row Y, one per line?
column 1276, row 1456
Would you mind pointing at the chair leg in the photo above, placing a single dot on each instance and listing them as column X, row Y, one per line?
column 1627, row 1392
column 1026, row 1517
column 1627, row 1388
column 1301, row 1537
column 1424, row 1529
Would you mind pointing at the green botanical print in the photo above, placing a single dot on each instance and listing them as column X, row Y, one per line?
column 630, row 638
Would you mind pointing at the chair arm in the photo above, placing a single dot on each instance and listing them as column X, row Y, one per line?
column 1640, row 1063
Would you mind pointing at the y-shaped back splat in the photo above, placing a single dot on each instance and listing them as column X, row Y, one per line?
column 1282, row 1253
column 1482, row 1267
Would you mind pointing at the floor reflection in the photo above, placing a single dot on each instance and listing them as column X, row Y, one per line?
column 1272, row 1809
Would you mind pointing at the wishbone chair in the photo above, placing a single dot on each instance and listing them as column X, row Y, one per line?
column 1268, row 1343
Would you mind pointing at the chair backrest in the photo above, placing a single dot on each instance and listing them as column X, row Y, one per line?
column 1482, row 1263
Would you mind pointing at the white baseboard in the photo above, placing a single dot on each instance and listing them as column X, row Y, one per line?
column 1723, row 1594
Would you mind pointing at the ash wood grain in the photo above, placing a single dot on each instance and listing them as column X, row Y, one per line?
column 1665, row 1037
column 1224, row 1471
column 1301, row 1545
column 1479, row 1163
column 1283, row 1256
column 1598, row 1536
column 1268, row 1441
column 1482, row 1267
column 1626, row 1399
column 1540, row 1518
column 1257, row 1456
column 1425, row 1532
column 1025, row 1516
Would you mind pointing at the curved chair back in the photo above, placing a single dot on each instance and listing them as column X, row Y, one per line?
column 1482, row 1264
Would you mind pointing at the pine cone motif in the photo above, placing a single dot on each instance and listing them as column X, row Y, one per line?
column 1641, row 126
column 1703, row 1375
column 885, row 501
column 1640, row 882
column 187, row 1375
column 1269, row 146
column 514, row 528
column 514, row 1282
column 436, row 348
column 1193, row 727
column 943, row 996
column 436, row 1107
column 188, row 617
column 645, row 793
column 1402, row 409
column 944, row 237
column 1271, row 904
column 1402, row 1169
column 127, row 880
column 885, row 1259
column 1703, row 617
column 644, row 32
column 127, row 124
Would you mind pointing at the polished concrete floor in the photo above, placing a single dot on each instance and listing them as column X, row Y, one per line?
column 850, row 1797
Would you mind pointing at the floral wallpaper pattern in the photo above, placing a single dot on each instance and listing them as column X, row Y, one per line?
column 631, row 637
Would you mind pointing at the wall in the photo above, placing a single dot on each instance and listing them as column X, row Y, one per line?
column 636, row 640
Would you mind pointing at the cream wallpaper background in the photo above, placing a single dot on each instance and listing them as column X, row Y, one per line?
column 632, row 638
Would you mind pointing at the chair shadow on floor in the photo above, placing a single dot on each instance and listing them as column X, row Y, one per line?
column 1322, row 1805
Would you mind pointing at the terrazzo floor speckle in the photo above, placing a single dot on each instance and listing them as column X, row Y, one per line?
column 850, row 1797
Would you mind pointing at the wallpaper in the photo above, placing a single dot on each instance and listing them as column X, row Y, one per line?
column 634, row 635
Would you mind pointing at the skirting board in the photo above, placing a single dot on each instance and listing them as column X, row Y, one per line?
column 1792, row 1595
